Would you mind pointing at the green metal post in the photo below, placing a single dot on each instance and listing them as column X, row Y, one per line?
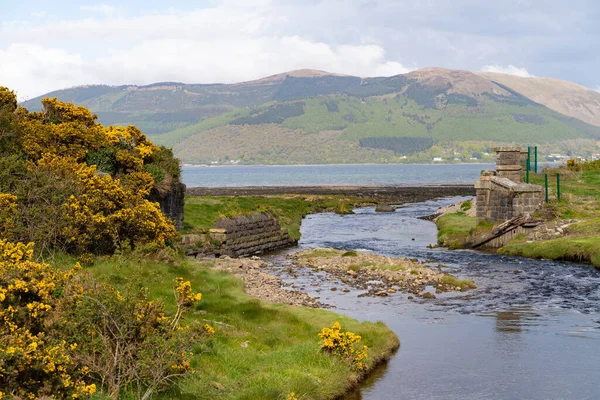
column 558, row 186
column 528, row 166
column 535, row 159
column 546, row 181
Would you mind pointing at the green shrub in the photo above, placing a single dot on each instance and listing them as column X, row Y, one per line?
column 465, row 206
column 158, row 174
column 104, row 159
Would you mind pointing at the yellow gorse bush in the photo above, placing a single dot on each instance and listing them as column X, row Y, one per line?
column 128, row 340
column 85, row 185
column 8, row 207
column 34, row 363
column 62, row 332
column 343, row 344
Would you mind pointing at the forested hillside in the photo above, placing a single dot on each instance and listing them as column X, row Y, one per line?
column 316, row 117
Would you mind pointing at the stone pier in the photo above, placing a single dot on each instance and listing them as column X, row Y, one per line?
column 501, row 195
column 508, row 163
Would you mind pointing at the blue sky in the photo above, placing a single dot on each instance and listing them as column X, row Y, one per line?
column 51, row 45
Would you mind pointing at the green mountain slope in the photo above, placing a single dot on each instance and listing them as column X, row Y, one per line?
column 315, row 117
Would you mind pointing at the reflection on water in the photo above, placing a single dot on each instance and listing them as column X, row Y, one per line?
column 508, row 322
column 371, row 380
column 531, row 330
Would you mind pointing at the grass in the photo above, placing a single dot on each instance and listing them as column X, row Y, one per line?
column 200, row 213
column 384, row 267
column 463, row 284
column 454, row 229
column 577, row 249
column 260, row 350
column 585, row 184
column 321, row 253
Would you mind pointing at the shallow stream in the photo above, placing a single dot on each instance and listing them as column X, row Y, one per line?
column 531, row 330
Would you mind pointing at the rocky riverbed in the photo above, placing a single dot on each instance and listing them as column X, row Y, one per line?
column 380, row 275
column 260, row 284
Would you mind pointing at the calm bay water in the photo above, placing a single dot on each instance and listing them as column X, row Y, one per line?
column 333, row 175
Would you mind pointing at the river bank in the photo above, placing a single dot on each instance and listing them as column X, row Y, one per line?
column 265, row 343
column 565, row 231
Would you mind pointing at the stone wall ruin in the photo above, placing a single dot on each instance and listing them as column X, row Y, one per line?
column 501, row 195
column 239, row 237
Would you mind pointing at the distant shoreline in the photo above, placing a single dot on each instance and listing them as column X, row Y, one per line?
column 327, row 165
column 394, row 194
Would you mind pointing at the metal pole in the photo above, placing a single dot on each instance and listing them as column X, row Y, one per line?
column 527, row 167
column 546, row 181
column 535, row 157
column 558, row 186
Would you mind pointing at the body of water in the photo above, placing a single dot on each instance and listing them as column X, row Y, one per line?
column 333, row 175
column 531, row 330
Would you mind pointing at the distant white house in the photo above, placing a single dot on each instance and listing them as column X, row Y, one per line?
column 437, row 159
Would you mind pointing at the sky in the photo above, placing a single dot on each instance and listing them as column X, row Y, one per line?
column 51, row 45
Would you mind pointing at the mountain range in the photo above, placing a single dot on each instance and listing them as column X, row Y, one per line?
column 310, row 116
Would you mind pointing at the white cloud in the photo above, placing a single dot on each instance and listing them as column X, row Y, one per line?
column 98, row 8
column 218, row 44
column 39, row 14
column 510, row 70
column 31, row 69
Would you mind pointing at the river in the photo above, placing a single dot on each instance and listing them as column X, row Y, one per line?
column 531, row 330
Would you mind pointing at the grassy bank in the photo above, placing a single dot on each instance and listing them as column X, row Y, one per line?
column 577, row 249
column 454, row 229
column 200, row 213
column 259, row 350
column 580, row 200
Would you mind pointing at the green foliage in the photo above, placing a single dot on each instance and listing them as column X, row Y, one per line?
column 465, row 206
column 350, row 254
column 530, row 119
column 457, row 98
column 164, row 159
column 104, row 159
column 13, row 171
column 294, row 88
column 158, row 174
column 399, row 145
column 274, row 114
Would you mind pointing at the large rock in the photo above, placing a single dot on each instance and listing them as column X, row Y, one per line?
column 384, row 208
